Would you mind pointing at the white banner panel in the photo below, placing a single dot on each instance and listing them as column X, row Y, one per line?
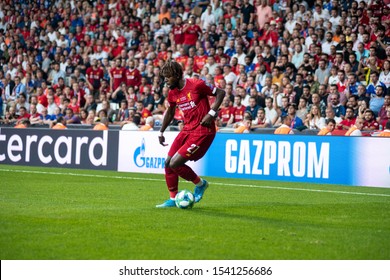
column 140, row 151
column 372, row 161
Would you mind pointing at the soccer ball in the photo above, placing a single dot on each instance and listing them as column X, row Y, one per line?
column 184, row 199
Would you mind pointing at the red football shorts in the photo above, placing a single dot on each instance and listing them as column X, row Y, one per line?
column 191, row 146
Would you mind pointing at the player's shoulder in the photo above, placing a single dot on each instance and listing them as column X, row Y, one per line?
column 194, row 81
column 191, row 80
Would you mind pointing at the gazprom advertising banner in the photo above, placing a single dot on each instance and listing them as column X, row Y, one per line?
column 140, row 151
column 359, row 161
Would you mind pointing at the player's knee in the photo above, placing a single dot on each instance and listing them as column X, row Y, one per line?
column 177, row 161
column 168, row 168
column 173, row 164
column 168, row 162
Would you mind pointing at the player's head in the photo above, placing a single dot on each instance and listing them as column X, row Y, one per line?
column 172, row 73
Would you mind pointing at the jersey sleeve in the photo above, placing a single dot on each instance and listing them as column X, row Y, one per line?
column 171, row 98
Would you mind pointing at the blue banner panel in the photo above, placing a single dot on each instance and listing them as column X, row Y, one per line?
column 316, row 159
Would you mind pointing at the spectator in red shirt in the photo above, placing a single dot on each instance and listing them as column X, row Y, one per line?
column 182, row 58
column 349, row 119
column 192, row 32
column 80, row 93
column 94, row 75
column 239, row 110
column 220, row 53
column 163, row 53
column 200, row 60
column 116, row 49
column 23, row 113
column 226, row 112
column 144, row 112
column 133, row 76
column 218, row 76
column 73, row 105
column 370, row 122
column 177, row 31
column 117, row 75
column 42, row 98
column 34, row 115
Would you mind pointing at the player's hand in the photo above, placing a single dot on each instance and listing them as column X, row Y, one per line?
column 206, row 121
column 161, row 139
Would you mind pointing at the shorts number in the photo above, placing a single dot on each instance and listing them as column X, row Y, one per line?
column 192, row 149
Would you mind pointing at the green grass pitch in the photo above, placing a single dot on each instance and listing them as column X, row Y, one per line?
column 68, row 214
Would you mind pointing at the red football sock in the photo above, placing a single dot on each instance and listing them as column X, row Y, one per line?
column 197, row 180
column 172, row 180
column 186, row 173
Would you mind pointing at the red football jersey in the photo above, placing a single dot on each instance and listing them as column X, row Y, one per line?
column 191, row 35
column 182, row 60
column 192, row 100
column 239, row 113
column 225, row 113
column 42, row 99
column 178, row 34
column 133, row 77
column 347, row 122
column 200, row 61
column 162, row 55
column 118, row 75
column 95, row 76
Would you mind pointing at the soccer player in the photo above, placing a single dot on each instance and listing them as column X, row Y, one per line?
column 193, row 141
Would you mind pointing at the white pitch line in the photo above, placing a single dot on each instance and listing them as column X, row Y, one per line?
column 214, row 183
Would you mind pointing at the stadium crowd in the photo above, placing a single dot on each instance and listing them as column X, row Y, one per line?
column 282, row 63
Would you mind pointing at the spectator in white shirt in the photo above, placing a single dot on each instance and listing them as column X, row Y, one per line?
column 207, row 18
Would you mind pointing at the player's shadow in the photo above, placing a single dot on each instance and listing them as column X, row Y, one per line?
column 253, row 216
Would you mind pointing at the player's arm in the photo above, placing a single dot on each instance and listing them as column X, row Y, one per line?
column 169, row 114
column 220, row 94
